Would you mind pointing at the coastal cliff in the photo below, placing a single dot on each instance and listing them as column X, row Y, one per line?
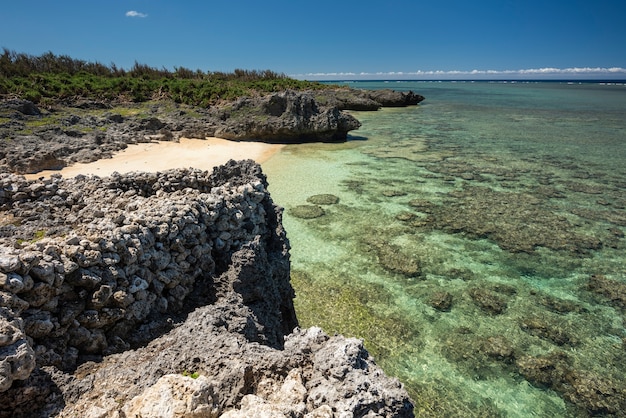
column 165, row 294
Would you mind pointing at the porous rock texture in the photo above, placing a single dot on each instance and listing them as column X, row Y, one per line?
column 287, row 116
column 29, row 145
column 164, row 294
column 365, row 100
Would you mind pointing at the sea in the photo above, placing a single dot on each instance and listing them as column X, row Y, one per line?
column 474, row 242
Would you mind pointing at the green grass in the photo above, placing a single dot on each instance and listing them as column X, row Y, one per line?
column 38, row 235
column 27, row 131
column 42, row 121
column 130, row 111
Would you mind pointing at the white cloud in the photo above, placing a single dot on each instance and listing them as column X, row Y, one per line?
column 532, row 73
column 134, row 13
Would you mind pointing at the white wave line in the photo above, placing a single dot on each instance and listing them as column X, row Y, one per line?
column 579, row 71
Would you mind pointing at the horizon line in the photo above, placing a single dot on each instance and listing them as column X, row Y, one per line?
column 548, row 73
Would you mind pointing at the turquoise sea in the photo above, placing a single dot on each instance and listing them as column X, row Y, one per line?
column 474, row 242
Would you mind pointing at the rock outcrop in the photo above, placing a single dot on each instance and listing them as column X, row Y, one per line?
column 285, row 117
column 164, row 294
column 35, row 139
column 392, row 98
column 356, row 99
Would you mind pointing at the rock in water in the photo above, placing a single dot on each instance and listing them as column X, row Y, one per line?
column 287, row 116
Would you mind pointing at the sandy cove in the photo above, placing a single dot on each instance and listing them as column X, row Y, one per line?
column 163, row 155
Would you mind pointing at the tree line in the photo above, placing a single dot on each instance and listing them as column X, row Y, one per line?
column 49, row 78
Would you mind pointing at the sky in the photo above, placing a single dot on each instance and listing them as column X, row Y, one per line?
column 332, row 39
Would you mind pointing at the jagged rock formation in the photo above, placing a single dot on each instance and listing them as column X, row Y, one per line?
column 392, row 98
column 113, row 289
column 355, row 99
column 36, row 140
column 313, row 375
column 285, row 117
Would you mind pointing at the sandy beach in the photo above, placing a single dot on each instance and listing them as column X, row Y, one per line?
column 164, row 155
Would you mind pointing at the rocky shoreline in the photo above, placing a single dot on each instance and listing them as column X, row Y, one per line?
column 177, row 283
column 167, row 294
column 83, row 131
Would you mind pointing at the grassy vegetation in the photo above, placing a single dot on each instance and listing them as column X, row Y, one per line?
column 38, row 235
column 193, row 375
column 50, row 78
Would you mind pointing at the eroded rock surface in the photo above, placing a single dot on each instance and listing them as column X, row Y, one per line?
column 34, row 139
column 117, row 291
column 313, row 373
column 285, row 117
column 357, row 99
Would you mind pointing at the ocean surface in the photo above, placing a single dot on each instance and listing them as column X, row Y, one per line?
column 474, row 242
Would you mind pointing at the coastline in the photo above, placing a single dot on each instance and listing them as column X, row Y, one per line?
column 204, row 154
column 134, row 351
column 170, row 181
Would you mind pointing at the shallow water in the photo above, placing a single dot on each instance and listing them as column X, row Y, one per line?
column 477, row 246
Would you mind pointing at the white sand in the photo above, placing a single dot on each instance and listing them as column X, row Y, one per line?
column 164, row 155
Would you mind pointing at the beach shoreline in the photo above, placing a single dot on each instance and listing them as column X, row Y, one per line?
column 204, row 154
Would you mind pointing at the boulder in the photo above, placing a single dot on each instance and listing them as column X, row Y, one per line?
column 392, row 98
column 17, row 358
column 287, row 116
column 173, row 377
column 25, row 107
column 366, row 100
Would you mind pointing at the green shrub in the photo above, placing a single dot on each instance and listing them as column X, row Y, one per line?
column 52, row 77
column 193, row 375
column 32, row 95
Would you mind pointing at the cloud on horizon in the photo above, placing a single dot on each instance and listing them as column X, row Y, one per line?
column 532, row 74
column 134, row 13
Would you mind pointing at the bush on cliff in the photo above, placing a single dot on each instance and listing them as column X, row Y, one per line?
column 49, row 78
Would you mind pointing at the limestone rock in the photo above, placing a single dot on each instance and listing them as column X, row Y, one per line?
column 392, row 98
column 143, row 277
column 288, row 116
column 175, row 396
column 25, row 107
column 364, row 100
column 312, row 375
column 285, row 402
column 17, row 358
column 285, row 117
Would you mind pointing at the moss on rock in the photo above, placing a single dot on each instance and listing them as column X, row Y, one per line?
column 307, row 211
column 323, row 199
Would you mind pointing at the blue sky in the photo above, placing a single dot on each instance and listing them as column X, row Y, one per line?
column 332, row 39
